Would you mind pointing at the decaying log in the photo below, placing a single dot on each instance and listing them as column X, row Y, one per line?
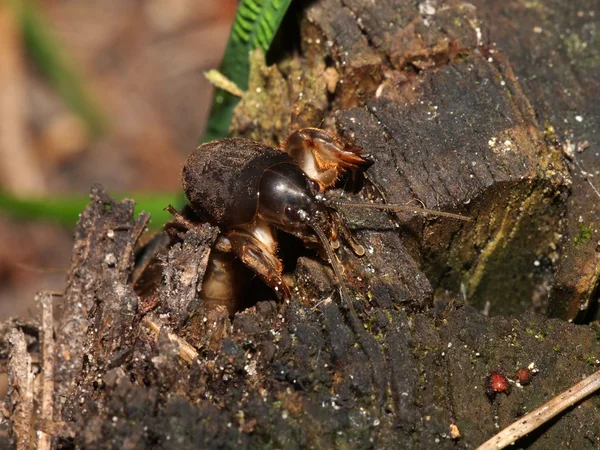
column 436, row 92
column 555, row 53
column 100, row 315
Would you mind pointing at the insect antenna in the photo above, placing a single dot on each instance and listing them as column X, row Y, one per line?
column 335, row 266
column 396, row 207
column 365, row 340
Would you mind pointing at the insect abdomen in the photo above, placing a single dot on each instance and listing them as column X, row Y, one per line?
column 220, row 179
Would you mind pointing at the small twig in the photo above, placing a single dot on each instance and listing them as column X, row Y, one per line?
column 186, row 351
column 47, row 341
column 543, row 414
column 20, row 389
column 220, row 81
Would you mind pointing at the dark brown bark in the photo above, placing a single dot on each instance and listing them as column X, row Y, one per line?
column 555, row 52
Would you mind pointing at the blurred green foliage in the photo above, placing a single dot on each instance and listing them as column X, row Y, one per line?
column 65, row 209
column 255, row 25
column 49, row 57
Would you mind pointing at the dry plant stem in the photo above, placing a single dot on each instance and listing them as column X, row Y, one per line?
column 47, row 341
column 18, row 167
column 220, row 81
column 186, row 351
column 543, row 414
column 20, row 389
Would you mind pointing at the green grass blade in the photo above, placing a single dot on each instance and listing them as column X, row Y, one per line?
column 255, row 25
column 65, row 209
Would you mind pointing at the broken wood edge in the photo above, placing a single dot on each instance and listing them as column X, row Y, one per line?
column 20, row 389
column 543, row 414
column 139, row 226
column 186, row 351
column 47, row 350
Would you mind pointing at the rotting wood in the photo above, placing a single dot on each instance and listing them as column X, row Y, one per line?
column 556, row 56
column 47, row 354
column 186, row 351
column 101, row 263
column 20, row 391
column 292, row 374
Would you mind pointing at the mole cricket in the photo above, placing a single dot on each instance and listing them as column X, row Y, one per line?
column 250, row 189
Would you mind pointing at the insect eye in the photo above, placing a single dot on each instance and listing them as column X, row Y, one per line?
column 291, row 213
column 296, row 214
column 314, row 186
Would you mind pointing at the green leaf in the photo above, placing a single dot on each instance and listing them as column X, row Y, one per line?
column 255, row 25
column 65, row 209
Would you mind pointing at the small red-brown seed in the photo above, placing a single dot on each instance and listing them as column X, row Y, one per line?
column 523, row 375
column 496, row 382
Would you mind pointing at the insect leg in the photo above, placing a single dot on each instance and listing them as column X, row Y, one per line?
column 357, row 248
column 323, row 157
column 177, row 227
column 255, row 246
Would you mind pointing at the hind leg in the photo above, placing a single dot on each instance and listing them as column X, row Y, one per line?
column 256, row 247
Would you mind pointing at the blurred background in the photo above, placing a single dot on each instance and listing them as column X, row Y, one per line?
column 126, row 113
